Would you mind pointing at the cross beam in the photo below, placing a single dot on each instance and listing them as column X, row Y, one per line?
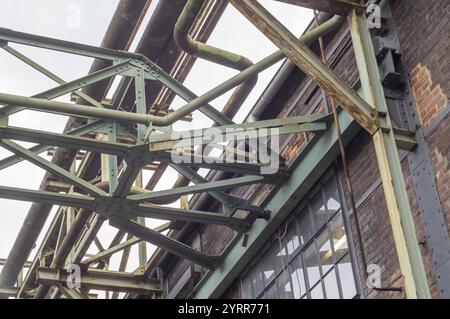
column 340, row 7
column 99, row 280
column 402, row 221
column 51, row 167
column 199, row 188
column 107, row 253
column 63, row 140
column 309, row 63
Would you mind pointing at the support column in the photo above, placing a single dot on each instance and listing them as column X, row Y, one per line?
column 402, row 222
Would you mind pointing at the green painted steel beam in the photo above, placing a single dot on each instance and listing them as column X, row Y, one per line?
column 196, row 178
column 52, row 231
column 249, row 72
column 189, row 215
column 141, row 104
column 187, row 95
column 341, row 7
column 199, row 188
column 9, row 35
column 70, row 293
column 308, row 62
column 113, row 169
column 38, row 149
column 171, row 245
column 391, row 173
column 74, row 85
column 236, row 132
column 152, row 71
column 76, row 110
column 127, row 178
column 45, row 197
column 82, row 245
column 63, row 140
column 111, row 251
column 215, row 163
column 8, row 291
column 49, row 74
column 221, row 137
column 311, row 164
column 100, row 280
column 156, row 72
column 51, row 167
column 312, row 118
column 117, row 248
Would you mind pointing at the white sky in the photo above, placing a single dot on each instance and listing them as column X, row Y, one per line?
column 49, row 18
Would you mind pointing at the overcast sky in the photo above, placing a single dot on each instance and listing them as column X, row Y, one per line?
column 53, row 18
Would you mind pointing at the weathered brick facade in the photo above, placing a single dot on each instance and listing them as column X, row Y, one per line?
column 424, row 31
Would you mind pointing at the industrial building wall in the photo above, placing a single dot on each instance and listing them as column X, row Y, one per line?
column 423, row 29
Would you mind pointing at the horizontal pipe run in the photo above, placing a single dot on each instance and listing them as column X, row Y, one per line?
column 167, row 243
column 100, row 280
column 146, row 119
column 51, row 167
column 45, row 197
column 106, row 254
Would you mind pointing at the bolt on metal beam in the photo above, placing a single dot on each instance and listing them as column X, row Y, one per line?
column 308, row 62
column 402, row 222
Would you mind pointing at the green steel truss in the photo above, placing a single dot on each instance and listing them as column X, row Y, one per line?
column 152, row 142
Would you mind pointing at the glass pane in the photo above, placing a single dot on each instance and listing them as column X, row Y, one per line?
column 331, row 286
column 317, row 292
column 305, row 226
column 284, row 286
column 298, row 278
column 292, row 241
column 257, row 281
column 332, row 195
column 339, row 236
column 281, row 257
column 312, row 264
column 247, row 287
column 272, row 292
column 319, row 210
column 325, row 252
column 276, row 257
column 268, row 268
column 346, row 278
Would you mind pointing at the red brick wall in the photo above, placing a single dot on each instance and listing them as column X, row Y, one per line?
column 424, row 31
column 425, row 48
column 439, row 144
column 430, row 99
column 377, row 236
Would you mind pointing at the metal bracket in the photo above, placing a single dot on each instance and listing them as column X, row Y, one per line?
column 403, row 110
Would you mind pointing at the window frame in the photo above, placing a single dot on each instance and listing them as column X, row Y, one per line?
column 293, row 222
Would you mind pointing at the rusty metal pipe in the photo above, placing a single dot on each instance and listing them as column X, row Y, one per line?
column 213, row 54
column 306, row 38
column 125, row 19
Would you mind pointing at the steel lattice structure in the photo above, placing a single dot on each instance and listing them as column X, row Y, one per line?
column 131, row 140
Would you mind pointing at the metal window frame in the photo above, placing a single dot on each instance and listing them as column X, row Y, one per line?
column 293, row 218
